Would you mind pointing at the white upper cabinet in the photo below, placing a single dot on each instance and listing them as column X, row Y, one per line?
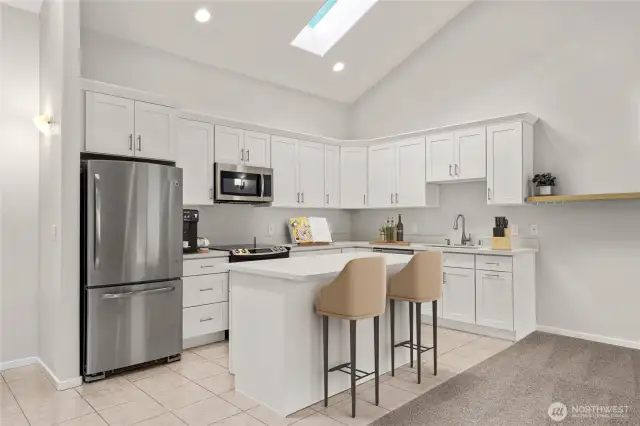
column 353, row 177
column 119, row 126
column 459, row 295
column 257, row 147
column 229, row 143
column 311, row 174
column 411, row 173
column 382, row 170
column 284, row 161
column 194, row 144
column 440, row 151
column 332, row 176
column 153, row 131
column 109, row 126
column 242, row 147
column 509, row 163
column 470, row 154
column 494, row 299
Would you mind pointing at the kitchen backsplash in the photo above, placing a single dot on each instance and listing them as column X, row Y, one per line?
column 236, row 224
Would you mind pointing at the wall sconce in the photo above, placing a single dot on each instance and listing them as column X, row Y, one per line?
column 43, row 123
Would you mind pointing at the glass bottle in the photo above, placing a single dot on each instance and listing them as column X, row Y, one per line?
column 393, row 230
column 400, row 229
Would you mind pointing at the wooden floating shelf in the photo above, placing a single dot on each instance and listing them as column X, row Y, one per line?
column 583, row 197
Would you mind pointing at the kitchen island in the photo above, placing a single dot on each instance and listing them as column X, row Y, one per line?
column 276, row 336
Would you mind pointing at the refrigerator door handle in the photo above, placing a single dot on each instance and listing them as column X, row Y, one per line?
column 98, row 226
column 138, row 292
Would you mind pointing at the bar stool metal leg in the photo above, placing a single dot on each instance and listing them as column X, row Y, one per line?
column 392, row 306
column 434, row 308
column 411, row 334
column 325, row 344
column 376, row 355
column 419, row 338
column 352, row 334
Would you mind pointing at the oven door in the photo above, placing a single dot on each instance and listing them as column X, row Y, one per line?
column 240, row 184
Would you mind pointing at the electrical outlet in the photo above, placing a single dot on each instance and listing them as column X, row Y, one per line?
column 514, row 229
column 533, row 229
column 271, row 229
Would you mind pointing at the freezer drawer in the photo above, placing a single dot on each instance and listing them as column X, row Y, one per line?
column 132, row 324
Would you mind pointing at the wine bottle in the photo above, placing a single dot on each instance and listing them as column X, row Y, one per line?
column 393, row 231
column 400, row 228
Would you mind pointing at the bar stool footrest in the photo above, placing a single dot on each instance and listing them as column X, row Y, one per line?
column 346, row 368
column 407, row 344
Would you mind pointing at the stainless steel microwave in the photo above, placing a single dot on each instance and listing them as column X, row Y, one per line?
column 242, row 184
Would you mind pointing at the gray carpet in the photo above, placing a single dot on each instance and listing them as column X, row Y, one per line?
column 516, row 386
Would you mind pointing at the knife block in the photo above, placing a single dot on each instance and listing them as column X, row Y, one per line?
column 502, row 243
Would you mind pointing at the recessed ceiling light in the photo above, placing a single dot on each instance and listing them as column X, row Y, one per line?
column 202, row 15
column 339, row 66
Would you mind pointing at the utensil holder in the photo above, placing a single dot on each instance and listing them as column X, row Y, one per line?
column 502, row 243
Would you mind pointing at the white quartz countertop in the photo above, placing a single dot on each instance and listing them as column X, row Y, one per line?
column 415, row 247
column 310, row 268
column 210, row 254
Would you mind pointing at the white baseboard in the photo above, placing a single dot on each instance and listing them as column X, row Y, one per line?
column 60, row 384
column 8, row 365
column 471, row 328
column 593, row 337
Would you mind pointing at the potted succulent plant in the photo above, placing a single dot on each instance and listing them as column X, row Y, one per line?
column 545, row 183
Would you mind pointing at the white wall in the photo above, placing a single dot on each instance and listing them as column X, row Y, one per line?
column 19, row 73
column 575, row 65
column 207, row 89
column 234, row 224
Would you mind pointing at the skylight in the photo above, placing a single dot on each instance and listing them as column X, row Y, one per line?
column 334, row 19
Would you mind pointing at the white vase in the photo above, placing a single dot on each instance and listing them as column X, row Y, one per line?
column 544, row 190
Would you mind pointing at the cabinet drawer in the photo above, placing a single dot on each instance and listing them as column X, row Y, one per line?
column 306, row 253
column 494, row 263
column 204, row 289
column 458, row 260
column 205, row 319
column 210, row 265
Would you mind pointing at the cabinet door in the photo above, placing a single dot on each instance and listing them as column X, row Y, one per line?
column 471, row 154
column 440, row 158
column 382, row 171
column 459, row 292
column 494, row 299
column 427, row 308
column 311, row 172
column 109, row 124
column 411, row 173
column 229, row 145
column 153, row 131
column 504, row 164
column 353, row 177
column 194, row 144
column 256, row 149
column 332, row 176
column 284, row 161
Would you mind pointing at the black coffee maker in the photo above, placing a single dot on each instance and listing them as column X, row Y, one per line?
column 190, row 230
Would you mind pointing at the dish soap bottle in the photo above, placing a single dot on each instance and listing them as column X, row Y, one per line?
column 400, row 229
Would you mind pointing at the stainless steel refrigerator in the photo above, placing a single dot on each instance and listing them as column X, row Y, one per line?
column 131, row 248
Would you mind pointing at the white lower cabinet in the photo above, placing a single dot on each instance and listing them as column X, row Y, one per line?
column 494, row 299
column 459, row 295
column 205, row 319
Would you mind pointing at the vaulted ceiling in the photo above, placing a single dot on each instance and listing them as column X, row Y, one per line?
column 253, row 38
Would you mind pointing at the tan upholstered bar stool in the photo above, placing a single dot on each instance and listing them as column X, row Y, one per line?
column 359, row 292
column 418, row 282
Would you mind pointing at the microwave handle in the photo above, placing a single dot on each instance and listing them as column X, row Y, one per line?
column 262, row 185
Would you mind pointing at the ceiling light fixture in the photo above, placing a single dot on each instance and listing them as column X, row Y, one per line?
column 334, row 19
column 202, row 15
column 339, row 66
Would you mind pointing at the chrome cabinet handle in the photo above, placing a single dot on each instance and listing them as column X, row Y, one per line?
column 492, row 275
column 298, row 198
column 489, row 193
column 207, row 289
column 242, row 155
column 211, row 193
column 444, row 278
column 457, row 174
column 492, row 263
column 207, row 266
column 303, row 198
column 364, row 199
column 139, row 142
column 450, row 174
column 97, row 237
column 206, row 319
column 396, row 198
column 392, row 198
column 137, row 293
column 327, row 198
column 248, row 156
column 130, row 142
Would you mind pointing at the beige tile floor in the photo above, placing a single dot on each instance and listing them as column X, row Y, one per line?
column 199, row 391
